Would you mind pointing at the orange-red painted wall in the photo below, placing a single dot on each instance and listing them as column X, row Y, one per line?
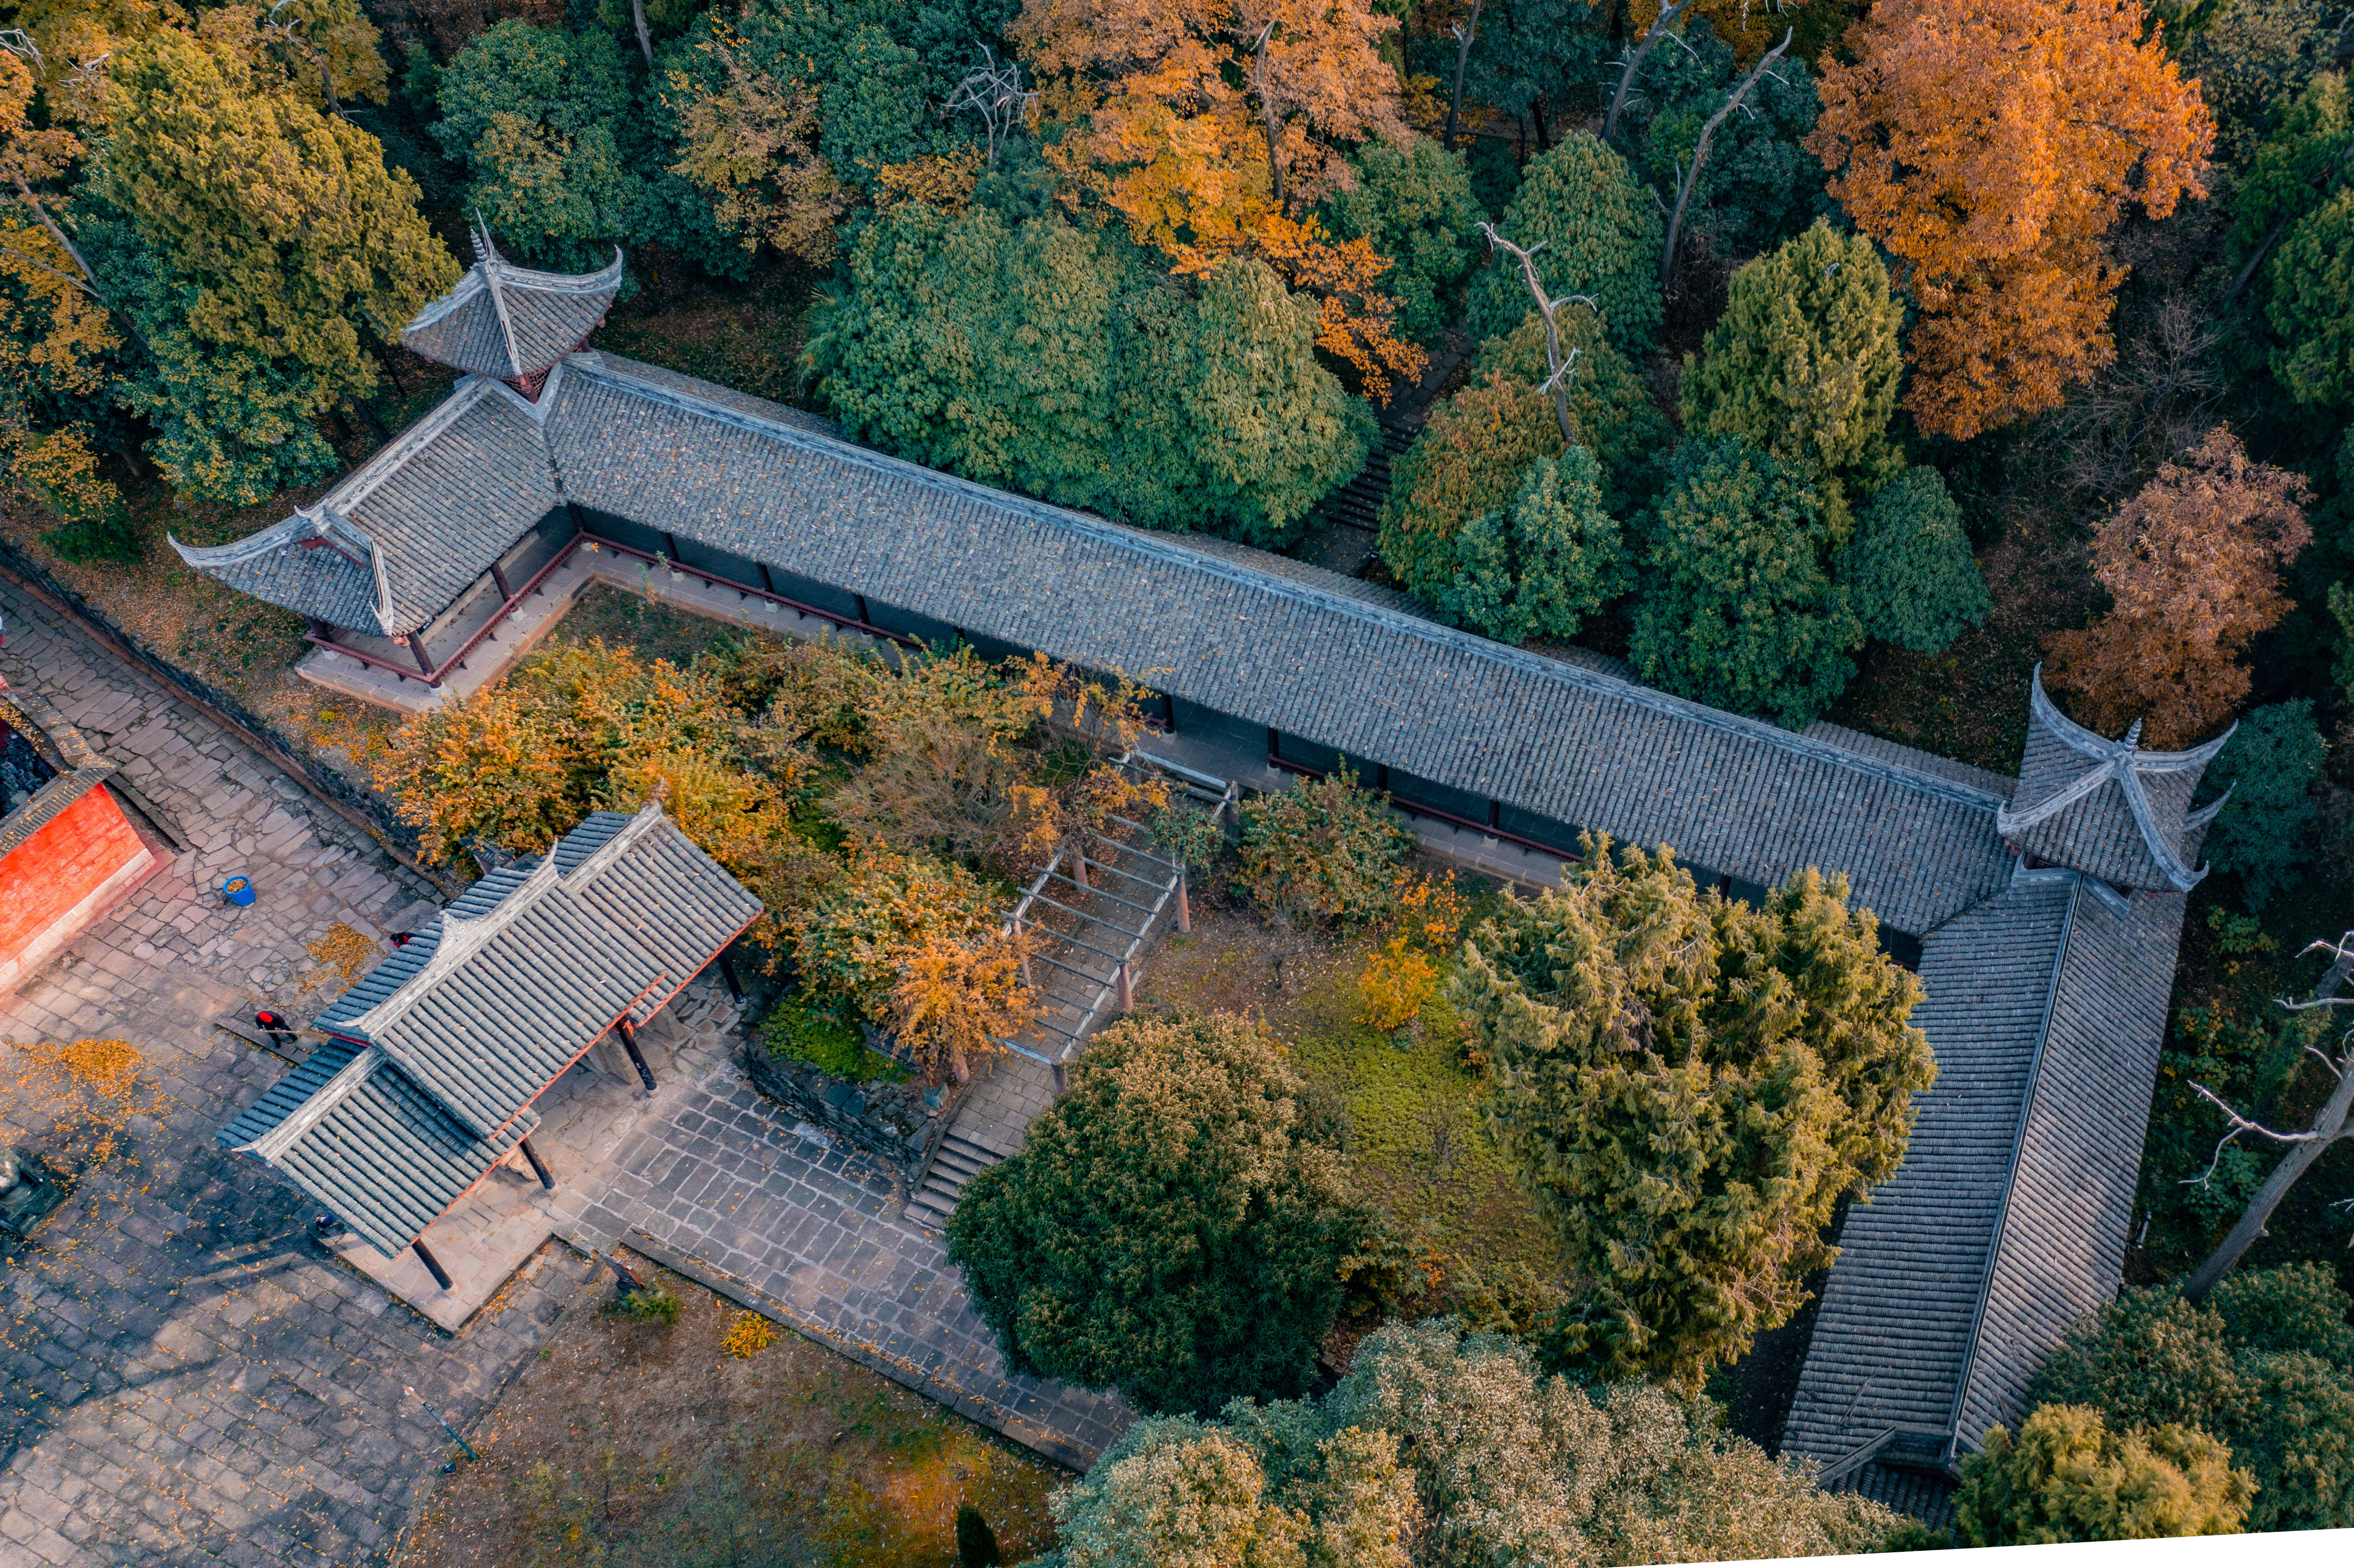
column 61, row 864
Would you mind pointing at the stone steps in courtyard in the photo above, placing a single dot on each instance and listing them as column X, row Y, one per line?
column 958, row 1161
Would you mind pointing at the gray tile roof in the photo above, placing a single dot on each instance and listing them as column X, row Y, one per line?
column 391, row 546
column 30, row 715
column 2107, row 807
column 511, row 322
column 2006, row 1222
column 349, row 1130
column 448, row 1040
column 1275, row 645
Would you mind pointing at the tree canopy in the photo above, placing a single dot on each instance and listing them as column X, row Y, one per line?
column 1440, row 1449
column 1049, row 359
column 1804, row 362
column 2192, row 566
column 1990, row 148
column 1908, row 571
column 1173, row 1225
column 1602, row 236
column 1412, row 202
column 1737, row 609
column 1639, row 1029
column 2067, row 1477
column 1540, row 566
column 2272, row 765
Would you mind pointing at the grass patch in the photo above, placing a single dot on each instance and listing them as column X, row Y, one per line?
column 800, row 1033
column 1418, row 1142
column 628, row 1441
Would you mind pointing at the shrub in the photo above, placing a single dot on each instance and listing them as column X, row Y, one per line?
column 1413, row 204
column 826, row 1040
column 1397, row 982
column 2263, row 834
column 851, row 944
column 1189, row 833
column 2068, row 1478
column 1323, row 850
column 1689, row 1086
column 1168, row 1228
column 1601, row 235
column 649, row 1303
column 748, row 1336
column 1909, row 571
column 1735, row 609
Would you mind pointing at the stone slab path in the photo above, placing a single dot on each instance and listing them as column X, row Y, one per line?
column 731, row 1190
column 184, row 1377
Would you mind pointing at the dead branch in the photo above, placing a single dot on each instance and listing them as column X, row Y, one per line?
column 1651, row 34
column 1465, row 33
column 994, row 92
column 1557, row 365
column 1699, row 149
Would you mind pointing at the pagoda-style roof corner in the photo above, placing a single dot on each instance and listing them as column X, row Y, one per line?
column 510, row 323
column 2107, row 808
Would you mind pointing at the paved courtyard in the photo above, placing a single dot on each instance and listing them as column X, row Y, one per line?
column 183, row 1376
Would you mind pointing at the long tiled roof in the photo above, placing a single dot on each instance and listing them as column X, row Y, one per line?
column 509, row 322
column 445, row 1043
column 2006, row 1222
column 349, row 1130
column 2107, row 807
column 392, row 545
column 82, row 767
column 1270, row 642
column 488, row 1006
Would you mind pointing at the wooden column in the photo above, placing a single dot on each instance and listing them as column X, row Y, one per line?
column 1062, row 1076
column 539, row 1166
column 1185, row 911
column 1079, row 867
column 630, row 1044
column 417, row 646
column 433, row 1264
column 727, row 973
column 499, row 576
column 1123, row 992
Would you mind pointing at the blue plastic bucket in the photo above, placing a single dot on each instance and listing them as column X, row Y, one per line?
column 237, row 890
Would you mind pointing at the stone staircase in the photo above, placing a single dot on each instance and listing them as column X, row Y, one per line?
column 958, row 1160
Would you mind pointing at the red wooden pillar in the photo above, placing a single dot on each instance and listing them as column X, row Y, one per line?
column 433, row 1264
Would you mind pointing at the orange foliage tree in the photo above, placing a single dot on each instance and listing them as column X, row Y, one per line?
column 2192, row 564
column 1989, row 145
column 1212, row 126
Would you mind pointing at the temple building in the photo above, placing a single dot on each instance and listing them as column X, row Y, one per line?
column 2042, row 912
column 432, row 1060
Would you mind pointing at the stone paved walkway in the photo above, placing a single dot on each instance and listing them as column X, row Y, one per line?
column 183, row 1376
column 729, row 1190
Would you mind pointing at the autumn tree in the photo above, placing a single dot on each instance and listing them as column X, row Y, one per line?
column 1804, row 364
column 1990, row 148
column 1602, row 238
column 1640, row 1029
column 1467, row 460
column 2192, row 568
column 1628, row 435
column 1412, row 202
column 1213, row 128
column 1735, row 606
column 748, row 140
column 1173, row 1226
column 1540, row 566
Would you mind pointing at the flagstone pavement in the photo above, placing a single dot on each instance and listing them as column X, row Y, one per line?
column 186, row 1377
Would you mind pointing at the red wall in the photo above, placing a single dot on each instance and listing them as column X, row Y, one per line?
column 62, row 864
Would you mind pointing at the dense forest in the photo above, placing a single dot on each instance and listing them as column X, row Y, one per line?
column 1834, row 361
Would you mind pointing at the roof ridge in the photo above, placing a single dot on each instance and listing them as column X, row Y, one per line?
column 641, row 825
column 1167, row 549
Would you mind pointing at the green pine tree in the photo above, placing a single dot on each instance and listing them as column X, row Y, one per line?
column 1602, row 236
column 1413, row 204
column 1540, row 566
column 1616, row 417
column 2067, row 1477
column 1689, row 1086
column 1805, row 363
column 1735, row 608
column 1908, row 570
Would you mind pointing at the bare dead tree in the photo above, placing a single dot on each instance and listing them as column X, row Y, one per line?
column 1634, row 61
column 291, row 36
column 994, row 92
column 645, row 35
column 1560, row 365
column 1699, row 149
column 1465, row 32
column 2328, row 1126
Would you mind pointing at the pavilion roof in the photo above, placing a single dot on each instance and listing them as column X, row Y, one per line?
column 512, row 322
